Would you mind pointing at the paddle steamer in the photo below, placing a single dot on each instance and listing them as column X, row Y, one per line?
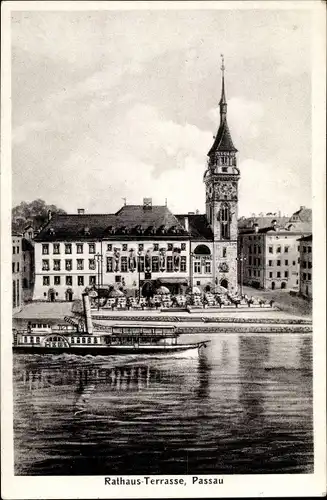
column 83, row 337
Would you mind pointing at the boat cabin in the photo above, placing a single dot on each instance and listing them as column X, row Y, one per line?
column 139, row 334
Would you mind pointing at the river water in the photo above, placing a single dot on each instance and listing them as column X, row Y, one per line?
column 243, row 406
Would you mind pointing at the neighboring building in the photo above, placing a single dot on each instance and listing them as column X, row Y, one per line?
column 271, row 259
column 269, row 256
column 27, row 266
column 22, row 270
column 17, row 294
column 300, row 221
column 142, row 246
column 306, row 266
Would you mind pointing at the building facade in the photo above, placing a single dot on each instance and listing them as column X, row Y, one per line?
column 306, row 266
column 143, row 246
column 16, row 263
column 269, row 257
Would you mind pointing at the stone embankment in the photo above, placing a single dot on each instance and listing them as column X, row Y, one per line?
column 196, row 323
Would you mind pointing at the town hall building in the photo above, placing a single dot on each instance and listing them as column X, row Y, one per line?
column 142, row 247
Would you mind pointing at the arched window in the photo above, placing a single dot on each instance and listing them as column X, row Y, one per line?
column 224, row 217
column 202, row 250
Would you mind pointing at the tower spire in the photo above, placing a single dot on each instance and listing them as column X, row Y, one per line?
column 223, row 140
column 222, row 102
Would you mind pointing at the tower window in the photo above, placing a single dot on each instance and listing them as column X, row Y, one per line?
column 225, row 222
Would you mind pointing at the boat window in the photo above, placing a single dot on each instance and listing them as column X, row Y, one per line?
column 39, row 325
column 37, row 340
column 117, row 330
column 25, row 339
column 34, row 325
column 83, row 340
column 73, row 340
column 31, row 339
column 78, row 340
column 159, row 330
column 95, row 340
column 147, row 330
column 89, row 340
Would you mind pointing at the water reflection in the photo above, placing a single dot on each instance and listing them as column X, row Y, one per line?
column 244, row 406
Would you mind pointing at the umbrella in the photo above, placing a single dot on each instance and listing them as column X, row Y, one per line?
column 195, row 290
column 116, row 293
column 162, row 290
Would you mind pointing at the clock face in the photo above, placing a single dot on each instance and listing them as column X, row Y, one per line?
column 226, row 191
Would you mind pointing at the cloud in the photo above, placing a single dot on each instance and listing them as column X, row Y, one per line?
column 141, row 155
column 270, row 187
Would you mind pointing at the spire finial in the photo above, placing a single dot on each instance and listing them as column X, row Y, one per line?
column 222, row 64
column 223, row 102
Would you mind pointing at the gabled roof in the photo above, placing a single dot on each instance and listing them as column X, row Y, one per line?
column 121, row 224
column 199, row 228
column 301, row 220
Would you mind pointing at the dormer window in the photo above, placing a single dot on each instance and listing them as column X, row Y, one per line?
column 51, row 231
column 123, row 230
column 87, row 231
column 151, row 230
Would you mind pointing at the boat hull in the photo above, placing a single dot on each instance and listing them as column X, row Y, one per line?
column 109, row 350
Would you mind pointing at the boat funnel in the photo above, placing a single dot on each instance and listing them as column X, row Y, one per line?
column 87, row 313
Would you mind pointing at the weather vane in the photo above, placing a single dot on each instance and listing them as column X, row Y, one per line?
column 222, row 63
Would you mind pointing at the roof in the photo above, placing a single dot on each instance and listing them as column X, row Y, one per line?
column 305, row 214
column 199, row 228
column 306, row 238
column 262, row 221
column 130, row 222
column 301, row 220
column 45, row 310
column 223, row 141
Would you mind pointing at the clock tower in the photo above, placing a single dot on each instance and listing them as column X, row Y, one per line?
column 221, row 182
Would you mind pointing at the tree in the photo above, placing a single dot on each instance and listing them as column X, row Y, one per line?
column 34, row 213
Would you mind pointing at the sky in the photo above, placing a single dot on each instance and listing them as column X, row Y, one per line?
column 116, row 104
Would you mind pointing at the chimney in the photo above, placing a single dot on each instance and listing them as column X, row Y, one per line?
column 186, row 225
column 279, row 213
column 87, row 313
column 274, row 224
column 256, row 227
column 197, row 211
column 147, row 203
column 80, row 211
column 49, row 215
column 302, row 207
column 190, row 213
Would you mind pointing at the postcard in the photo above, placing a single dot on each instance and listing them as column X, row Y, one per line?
column 163, row 296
